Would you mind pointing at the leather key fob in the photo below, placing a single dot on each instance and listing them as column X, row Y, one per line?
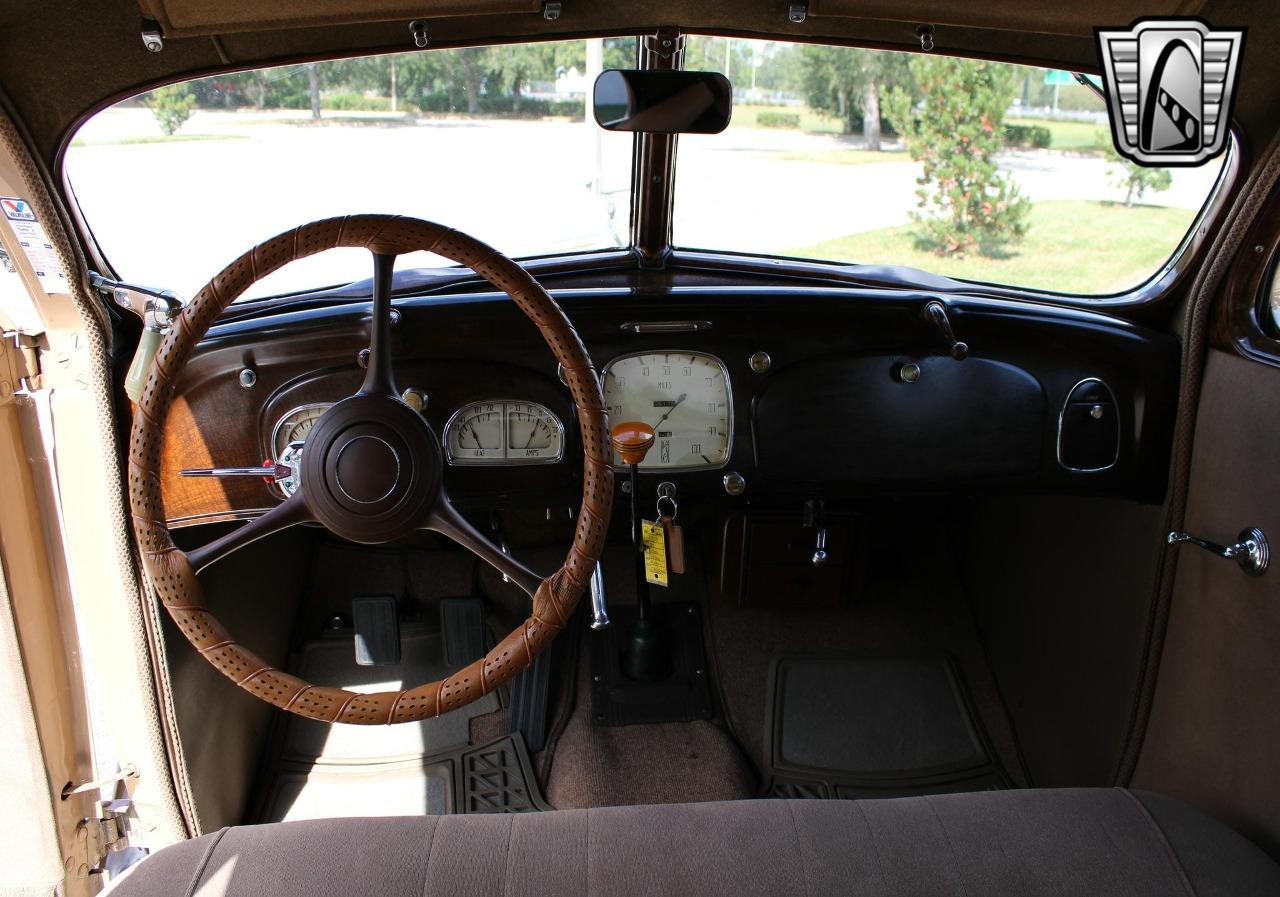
column 675, row 543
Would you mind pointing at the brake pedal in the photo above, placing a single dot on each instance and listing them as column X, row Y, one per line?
column 462, row 623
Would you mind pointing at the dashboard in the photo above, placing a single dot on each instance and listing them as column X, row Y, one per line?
column 757, row 395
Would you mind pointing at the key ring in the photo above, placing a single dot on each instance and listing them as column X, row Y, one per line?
column 675, row 509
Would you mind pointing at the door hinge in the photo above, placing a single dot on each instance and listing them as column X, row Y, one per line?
column 108, row 830
column 19, row 364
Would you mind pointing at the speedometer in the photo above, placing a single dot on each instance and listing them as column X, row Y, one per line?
column 295, row 426
column 684, row 396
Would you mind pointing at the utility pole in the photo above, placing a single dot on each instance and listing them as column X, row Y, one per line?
column 728, row 49
column 314, row 77
column 595, row 65
column 755, row 65
column 393, row 83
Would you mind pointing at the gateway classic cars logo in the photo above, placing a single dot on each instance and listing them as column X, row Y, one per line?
column 1169, row 87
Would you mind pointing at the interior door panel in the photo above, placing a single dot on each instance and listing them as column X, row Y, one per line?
column 1214, row 724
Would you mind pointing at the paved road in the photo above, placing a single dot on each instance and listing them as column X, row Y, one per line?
column 174, row 213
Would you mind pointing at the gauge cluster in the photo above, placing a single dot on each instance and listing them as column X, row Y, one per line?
column 685, row 396
column 503, row 432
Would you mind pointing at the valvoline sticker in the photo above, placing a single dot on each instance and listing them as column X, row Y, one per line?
column 17, row 209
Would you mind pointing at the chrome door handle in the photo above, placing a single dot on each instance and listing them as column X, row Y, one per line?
column 1251, row 549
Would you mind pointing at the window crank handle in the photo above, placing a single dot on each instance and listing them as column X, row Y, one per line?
column 936, row 314
column 1250, row 550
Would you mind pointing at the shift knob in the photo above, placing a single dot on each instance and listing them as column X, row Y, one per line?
column 632, row 440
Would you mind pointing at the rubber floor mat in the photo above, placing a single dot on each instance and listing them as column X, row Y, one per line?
column 855, row 727
column 492, row 778
column 331, row 661
column 321, row 770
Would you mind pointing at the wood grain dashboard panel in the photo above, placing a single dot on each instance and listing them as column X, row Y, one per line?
column 217, row 422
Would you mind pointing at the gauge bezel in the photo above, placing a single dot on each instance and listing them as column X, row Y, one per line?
column 501, row 462
column 728, row 388
column 275, row 431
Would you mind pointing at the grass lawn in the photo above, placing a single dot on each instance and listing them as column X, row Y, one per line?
column 1080, row 136
column 812, row 121
column 156, row 138
column 845, row 157
column 1070, row 247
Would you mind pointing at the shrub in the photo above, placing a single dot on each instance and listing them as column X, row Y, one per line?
column 1129, row 176
column 352, row 101
column 965, row 202
column 1036, row 136
column 172, row 106
column 771, row 118
column 504, row 106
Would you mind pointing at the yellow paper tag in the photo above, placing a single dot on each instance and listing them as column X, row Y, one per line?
column 655, row 553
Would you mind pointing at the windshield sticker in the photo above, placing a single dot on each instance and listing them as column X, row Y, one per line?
column 17, row 209
column 35, row 244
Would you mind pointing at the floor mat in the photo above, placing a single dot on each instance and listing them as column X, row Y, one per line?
column 909, row 607
column 492, row 778
column 331, row 661
column 324, row 770
column 852, row 727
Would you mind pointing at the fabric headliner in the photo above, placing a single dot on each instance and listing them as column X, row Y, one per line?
column 1096, row 842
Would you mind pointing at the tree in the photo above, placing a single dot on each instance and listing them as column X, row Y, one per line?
column 1129, row 176
column 172, row 106
column 965, row 203
column 848, row 83
column 313, row 79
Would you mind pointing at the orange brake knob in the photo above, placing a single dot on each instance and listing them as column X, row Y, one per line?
column 632, row 440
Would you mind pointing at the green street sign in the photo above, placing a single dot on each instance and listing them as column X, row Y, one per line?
column 1054, row 76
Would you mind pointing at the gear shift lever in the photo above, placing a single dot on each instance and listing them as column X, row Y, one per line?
column 645, row 656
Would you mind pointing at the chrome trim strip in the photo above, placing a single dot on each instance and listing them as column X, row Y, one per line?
column 665, row 326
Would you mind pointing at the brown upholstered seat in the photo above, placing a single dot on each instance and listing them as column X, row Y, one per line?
column 1096, row 843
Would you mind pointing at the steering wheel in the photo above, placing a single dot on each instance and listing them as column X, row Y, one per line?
column 371, row 472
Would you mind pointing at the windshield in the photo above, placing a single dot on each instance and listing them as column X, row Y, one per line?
column 494, row 141
column 968, row 168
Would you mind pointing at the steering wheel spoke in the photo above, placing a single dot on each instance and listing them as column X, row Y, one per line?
column 446, row 520
column 379, row 378
column 292, row 511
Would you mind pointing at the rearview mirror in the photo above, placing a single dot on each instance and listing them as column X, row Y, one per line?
column 663, row 102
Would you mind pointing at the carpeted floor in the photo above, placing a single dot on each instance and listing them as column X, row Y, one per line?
column 905, row 610
column 919, row 610
column 595, row 766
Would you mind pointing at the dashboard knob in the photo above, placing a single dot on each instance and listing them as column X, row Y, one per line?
column 632, row 440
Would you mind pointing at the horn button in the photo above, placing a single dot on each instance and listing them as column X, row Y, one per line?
column 371, row 469
column 364, row 469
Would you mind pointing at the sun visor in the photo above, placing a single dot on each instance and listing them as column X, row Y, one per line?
column 1043, row 16
column 193, row 18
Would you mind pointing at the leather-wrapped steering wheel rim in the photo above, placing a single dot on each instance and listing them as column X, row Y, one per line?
column 172, row 572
